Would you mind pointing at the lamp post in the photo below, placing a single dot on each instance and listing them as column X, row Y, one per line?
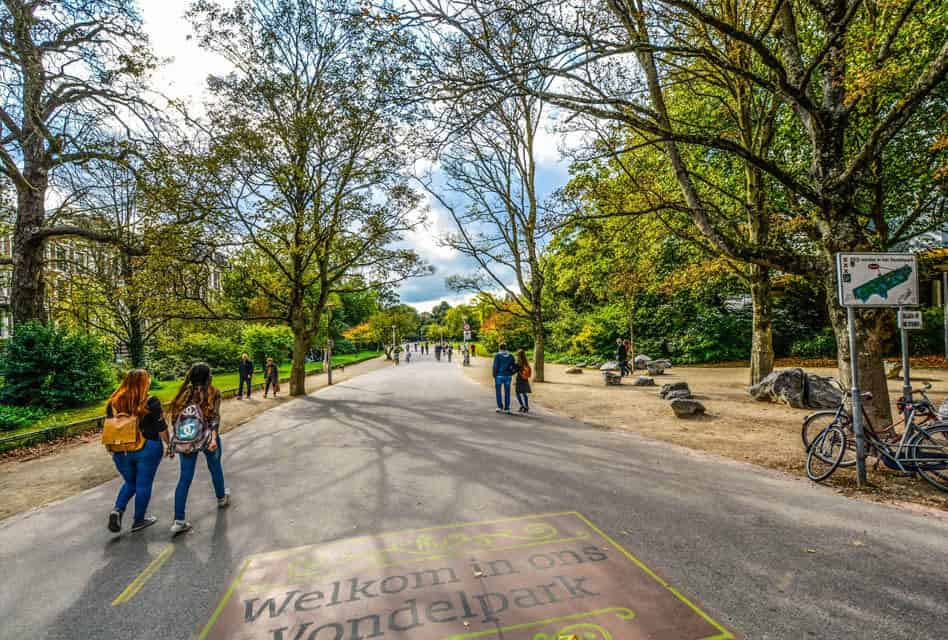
column 329, row 344
column 393, row 344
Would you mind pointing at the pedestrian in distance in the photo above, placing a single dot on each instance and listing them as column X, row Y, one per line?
column 438, row 352
column 473, row 350
column 504, row 367
column 522, row 384
column 196, row 420
column 450, row 352
column 245, row 372
column 133, row 432
column 408, row 356
column 271, row 378
column 622, row 357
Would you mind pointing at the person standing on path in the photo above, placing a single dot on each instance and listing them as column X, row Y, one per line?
column 245, row 371
column 450, row 352
column 524, row 373
column 622, row 357
column 137, row 468
column 504, row 368
column 199, row 399
column 271, row 378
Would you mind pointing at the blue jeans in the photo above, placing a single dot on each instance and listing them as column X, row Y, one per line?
column 240, row 389
column 188, row 463
column 522, row 399
column 502, row 381
column 138, row 469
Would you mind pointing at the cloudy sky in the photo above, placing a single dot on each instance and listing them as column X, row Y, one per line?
column 184, row 76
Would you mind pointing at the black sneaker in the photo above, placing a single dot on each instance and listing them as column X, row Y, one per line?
column 115, row 521
column 144, row 524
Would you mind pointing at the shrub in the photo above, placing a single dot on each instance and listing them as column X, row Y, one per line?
column 13, row 417
column 49, row 367
column 222, row 354
column 821, row 345
column 168, row 367
column 262, row 341
column 343, row 347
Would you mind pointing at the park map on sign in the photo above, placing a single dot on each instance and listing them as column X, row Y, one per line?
column 549, row 577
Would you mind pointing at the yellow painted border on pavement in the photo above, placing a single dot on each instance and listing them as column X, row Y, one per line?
column 724, row 635
column 136, row 585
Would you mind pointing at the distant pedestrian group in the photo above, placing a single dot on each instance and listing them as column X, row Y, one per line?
column 136, row 434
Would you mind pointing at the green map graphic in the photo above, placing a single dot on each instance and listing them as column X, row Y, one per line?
column 881, row 285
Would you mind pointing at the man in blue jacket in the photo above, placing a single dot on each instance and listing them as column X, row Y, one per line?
column 504, row 368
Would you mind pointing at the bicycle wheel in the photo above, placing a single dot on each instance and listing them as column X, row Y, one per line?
column 825, row 454
column 815, row 424
column 929, row 449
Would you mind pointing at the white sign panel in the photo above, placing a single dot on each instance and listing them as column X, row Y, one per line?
column 877, row 279
column 910, row 319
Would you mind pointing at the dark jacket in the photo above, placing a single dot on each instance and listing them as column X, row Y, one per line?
column 152, row 423
column 245, row 368
column 504, row 364
column 622, row 353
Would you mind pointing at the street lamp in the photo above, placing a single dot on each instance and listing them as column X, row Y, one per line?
column 329, row 343
column 393, row 344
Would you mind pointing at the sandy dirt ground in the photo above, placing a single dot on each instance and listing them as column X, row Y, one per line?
column 52, row 472
column 736, row 426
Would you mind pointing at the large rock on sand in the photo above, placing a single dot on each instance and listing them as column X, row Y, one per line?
column 685, row 408
column 573, row 370
column 798, row 389
column 641, row 361
column 674, row 386
column 643, row 381
column 682, row 394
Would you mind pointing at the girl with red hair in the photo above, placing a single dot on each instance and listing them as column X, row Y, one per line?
column 138, row 468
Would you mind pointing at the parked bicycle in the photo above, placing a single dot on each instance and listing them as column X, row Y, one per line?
column 922, row 447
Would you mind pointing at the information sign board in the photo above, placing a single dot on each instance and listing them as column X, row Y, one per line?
column 877, row 279
column 909, row 319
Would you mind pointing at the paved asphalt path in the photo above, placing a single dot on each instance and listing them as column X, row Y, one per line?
column 420, row 445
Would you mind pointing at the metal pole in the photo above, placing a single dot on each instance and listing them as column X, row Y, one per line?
column 329, row 345
column 857, row 400
column 944, row 302
column 906, row 376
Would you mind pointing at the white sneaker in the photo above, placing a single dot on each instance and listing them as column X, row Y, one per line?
column 180, row 526
column 225, row 501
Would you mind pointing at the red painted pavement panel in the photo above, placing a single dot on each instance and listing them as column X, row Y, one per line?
column 531, row 578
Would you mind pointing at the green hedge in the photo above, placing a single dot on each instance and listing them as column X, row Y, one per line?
column 54, row 368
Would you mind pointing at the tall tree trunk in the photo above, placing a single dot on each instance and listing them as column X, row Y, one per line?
column 28, row 295
column 301, row 345
column 136, row 337
column 539, row 346
column 873, row 326
column 762, row 340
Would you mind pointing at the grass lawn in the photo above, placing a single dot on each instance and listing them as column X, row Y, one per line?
column 223, row 381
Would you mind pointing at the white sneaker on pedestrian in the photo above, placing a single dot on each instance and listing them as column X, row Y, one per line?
column 115, row 521
column 180, row 526
column 225, row 501
column 144, row 524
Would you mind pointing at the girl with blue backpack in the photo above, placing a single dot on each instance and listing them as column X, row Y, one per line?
column 196, row 419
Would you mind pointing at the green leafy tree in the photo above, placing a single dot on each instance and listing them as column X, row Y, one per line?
column 305, row 154
column 54, row 368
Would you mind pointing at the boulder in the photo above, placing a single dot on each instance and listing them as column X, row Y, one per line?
column 678, row 394
column 664, row 364
column 641, row 361
column 674, row 386
column 582, row 364
column 654, row 369
column 611, row 365
column 893, row 370
column 643, row 381
column 798, row 389
column 573, row 370
column 685, row 408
